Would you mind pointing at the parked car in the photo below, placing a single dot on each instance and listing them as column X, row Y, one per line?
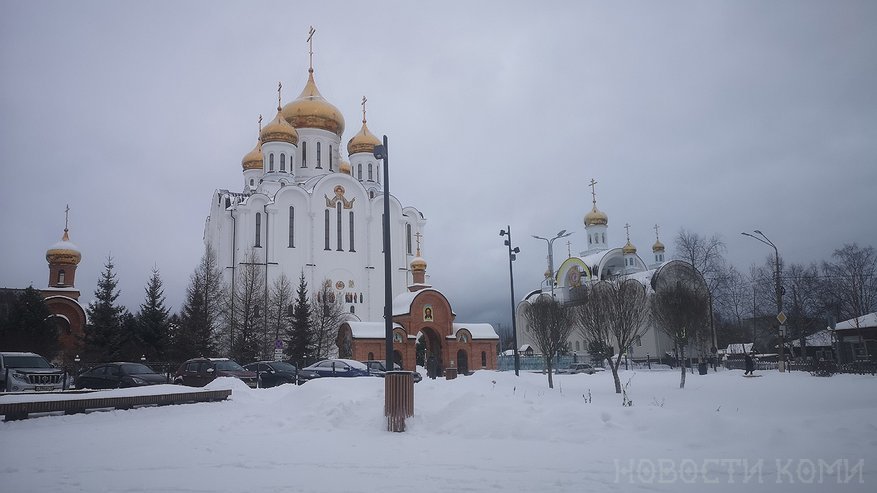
column 581, row 368
column 274, row 373
column 21, row 372
column 339, row 368
column 378, row 369
column 118, row 375
column 198, row 372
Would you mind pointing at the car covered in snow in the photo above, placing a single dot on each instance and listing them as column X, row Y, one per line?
column 339, row 368
column 575, row 368
column 198, row 372
column 119, row 375
column 25, row 372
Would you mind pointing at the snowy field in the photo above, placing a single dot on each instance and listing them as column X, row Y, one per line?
column 486, row 432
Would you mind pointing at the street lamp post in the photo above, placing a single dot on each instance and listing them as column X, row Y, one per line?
column 779, row 294
column 561, row 234
column 380, row 152
column 512, row 256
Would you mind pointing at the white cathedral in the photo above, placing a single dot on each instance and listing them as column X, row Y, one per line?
column 305, row 208
column 600, row 262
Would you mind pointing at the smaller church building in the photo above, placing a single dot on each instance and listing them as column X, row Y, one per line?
column 422, row 313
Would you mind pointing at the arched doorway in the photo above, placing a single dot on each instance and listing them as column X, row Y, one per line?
column 462, row 362
column 434, row 363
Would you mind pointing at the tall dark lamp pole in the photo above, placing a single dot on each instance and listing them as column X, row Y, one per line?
column 781, row 317
column 561, row 234
column 380, row 152
column 512, row 256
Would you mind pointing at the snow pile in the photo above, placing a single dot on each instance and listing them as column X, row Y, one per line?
column 490, row 431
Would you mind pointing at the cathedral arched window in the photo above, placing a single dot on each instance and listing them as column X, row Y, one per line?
column 291, row 227
column 61, row 276
column 271, row 162
column 589, row 239
column 252, row 182
column 370, row 176
column 359, row 171
column 352, row 249
column 603, row 238
column 282, row 162
column 258, row 229
column 319, row 156
column 338, row 210
column 379, row 173
column 371, row 194
column 304, row 154
column 483, row 359
column 408, row 238
column 327, row 230
column 577, row 346
column 331, row 159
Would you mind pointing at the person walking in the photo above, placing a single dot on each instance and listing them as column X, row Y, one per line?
column 750, row 365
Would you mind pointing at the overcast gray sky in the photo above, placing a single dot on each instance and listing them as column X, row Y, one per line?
column 717, row 117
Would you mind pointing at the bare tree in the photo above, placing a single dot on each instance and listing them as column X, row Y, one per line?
column 706, row 255
column 852, row 283
column 249, row 290
column 550, row 324
column 613, row 314
column 803, row 307
column 680, row 307
column 327, row 315
column 734, row 303
column 279, row 309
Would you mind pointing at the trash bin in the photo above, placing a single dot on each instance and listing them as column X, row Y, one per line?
column 450, row 373
column 398, row 398
column 702, row 368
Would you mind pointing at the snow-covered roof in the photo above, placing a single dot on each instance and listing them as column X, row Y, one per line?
column 739, row 348
column 402, row 303
column 478, row 331
column 369, row 330
column 821, row 338
column 869, row 320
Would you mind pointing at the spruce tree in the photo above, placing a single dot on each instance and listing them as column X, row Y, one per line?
column 27, row 326
column 199, row 316
column 103, row 331
column 299, row 344
column 152, row 320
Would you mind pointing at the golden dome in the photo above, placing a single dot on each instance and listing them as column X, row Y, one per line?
column 363, row 141
column 418, row 263
column 311, row 110
column 344, row 167
column 658, row 246
column 254, row 158
column 64, row 252
column 279, row 130
column 596, row 217
column 628, row 248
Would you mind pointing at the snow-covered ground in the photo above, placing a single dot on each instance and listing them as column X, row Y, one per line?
column 486, row 432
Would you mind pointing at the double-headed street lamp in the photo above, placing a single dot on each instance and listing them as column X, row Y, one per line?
column 512, row 256
column 380, row 153
column 779, row 294
column 561, row 234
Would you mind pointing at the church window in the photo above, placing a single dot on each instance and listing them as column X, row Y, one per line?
column 291, row 227
column 331, row 156
column 408, row 238
column 371, row 356
column 370, row 175
column 577, row 346
column 359, row 171
column 258, row 229
column 602, row 237
column 589, row 239
column 252, row 182
column 483, row 359
column 319, row 156
column 352, row 308
column 327, row 230
column 282, row 162
column 352, row 249
column 61, row 276
column 271, row 162
column 304, row 154
column 371, row 194
column 338, row 209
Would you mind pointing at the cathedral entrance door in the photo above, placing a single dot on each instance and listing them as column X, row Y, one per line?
column 462, row 362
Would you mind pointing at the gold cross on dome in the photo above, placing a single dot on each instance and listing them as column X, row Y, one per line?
column 311, row 48
column 593, row 191
column 656, row 233
column 627, row 227
column 260, row 123
column 568, row 249
column 418, row 236
column 279, row 87
column 364, row 100
column 66, row 217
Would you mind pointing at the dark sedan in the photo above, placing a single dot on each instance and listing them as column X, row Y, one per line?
column 118, row 375
column 198, row 372
column 378, row 369
column 274, row 373
column 339, row 368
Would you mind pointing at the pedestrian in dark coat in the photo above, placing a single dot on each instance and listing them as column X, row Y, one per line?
column 750, row 364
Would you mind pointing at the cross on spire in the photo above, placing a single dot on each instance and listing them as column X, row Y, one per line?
column 279, row 87
column 657, row 237
column 311, row 49
column 568, row 249
column 593, row 191
column 66, row 217
column 627, row 227
column 260, row 123
column 364, row 100
column 418, row 236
